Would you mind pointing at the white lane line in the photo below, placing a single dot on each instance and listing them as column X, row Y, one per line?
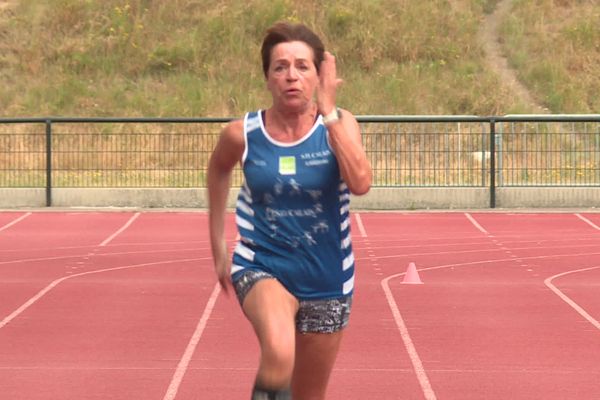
column 361, row 227
column 587, row 221
column 477, row 225
column 16, row 221
column 567, row 299
column 516, row 370
column 534, row 244
column 182, row 367
column 114, row 246
column 408, row 343
column 484, row 261
column 56, row 282
column 28, row 260
column 114, row 235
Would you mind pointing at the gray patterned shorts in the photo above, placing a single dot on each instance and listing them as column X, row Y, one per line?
column 314, row 316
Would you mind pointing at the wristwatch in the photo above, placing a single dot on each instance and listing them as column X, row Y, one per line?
column 332, row 117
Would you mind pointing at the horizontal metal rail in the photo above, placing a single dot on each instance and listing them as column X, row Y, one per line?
column 404, row 151
column 360, row 118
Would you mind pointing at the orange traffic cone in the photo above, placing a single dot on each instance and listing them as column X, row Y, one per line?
column 412, row 275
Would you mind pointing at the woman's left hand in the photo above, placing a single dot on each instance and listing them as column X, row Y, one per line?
column 328, row 84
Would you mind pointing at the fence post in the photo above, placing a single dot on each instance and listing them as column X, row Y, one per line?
column 48, row 163
column 492, row 163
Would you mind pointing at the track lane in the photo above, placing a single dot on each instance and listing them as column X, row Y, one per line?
column 99, row 332
column 481, row 335
column 371, row 359
column 56, row 229
column 579, row 289
column 114, row 333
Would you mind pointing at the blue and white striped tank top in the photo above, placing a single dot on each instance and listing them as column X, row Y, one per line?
column 293, row 215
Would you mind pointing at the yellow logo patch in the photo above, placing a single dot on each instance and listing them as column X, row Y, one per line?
column 287, row 165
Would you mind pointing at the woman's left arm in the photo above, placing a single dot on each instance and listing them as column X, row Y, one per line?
column 344, row 132
column 345, row 138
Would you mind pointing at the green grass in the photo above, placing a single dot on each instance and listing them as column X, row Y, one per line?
column 201, row 58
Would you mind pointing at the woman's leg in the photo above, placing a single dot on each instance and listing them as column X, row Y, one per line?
column 271, row 310
column 315, row 356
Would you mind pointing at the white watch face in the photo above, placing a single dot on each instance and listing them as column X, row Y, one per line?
column 332, row 116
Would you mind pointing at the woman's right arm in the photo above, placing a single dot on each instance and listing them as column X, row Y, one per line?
column 227, row 153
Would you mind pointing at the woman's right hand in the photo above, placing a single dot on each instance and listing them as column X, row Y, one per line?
column 227, row 153
column 222, row 266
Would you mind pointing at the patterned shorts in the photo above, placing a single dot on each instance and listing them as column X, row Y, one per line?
column 314, row 316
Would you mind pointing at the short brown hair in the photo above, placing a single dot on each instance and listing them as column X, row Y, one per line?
column 282, row 32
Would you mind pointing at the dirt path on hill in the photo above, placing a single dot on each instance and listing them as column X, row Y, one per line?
column 498, row 63
column 6, row 10
column 4, row 4
column 5, row 13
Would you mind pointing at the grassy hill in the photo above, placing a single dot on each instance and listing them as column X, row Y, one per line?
column 201, row 57
column 555, row 47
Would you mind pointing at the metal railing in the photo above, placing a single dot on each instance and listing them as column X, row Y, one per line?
column 405, row 151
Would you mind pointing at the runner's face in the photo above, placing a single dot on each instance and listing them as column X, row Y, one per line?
column 292, row 76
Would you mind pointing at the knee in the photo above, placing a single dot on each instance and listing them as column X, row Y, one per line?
column 276, row 366
column 276, row 363
column 279, row 353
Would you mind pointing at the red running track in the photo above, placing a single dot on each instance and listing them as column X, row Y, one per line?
column 124, row 305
